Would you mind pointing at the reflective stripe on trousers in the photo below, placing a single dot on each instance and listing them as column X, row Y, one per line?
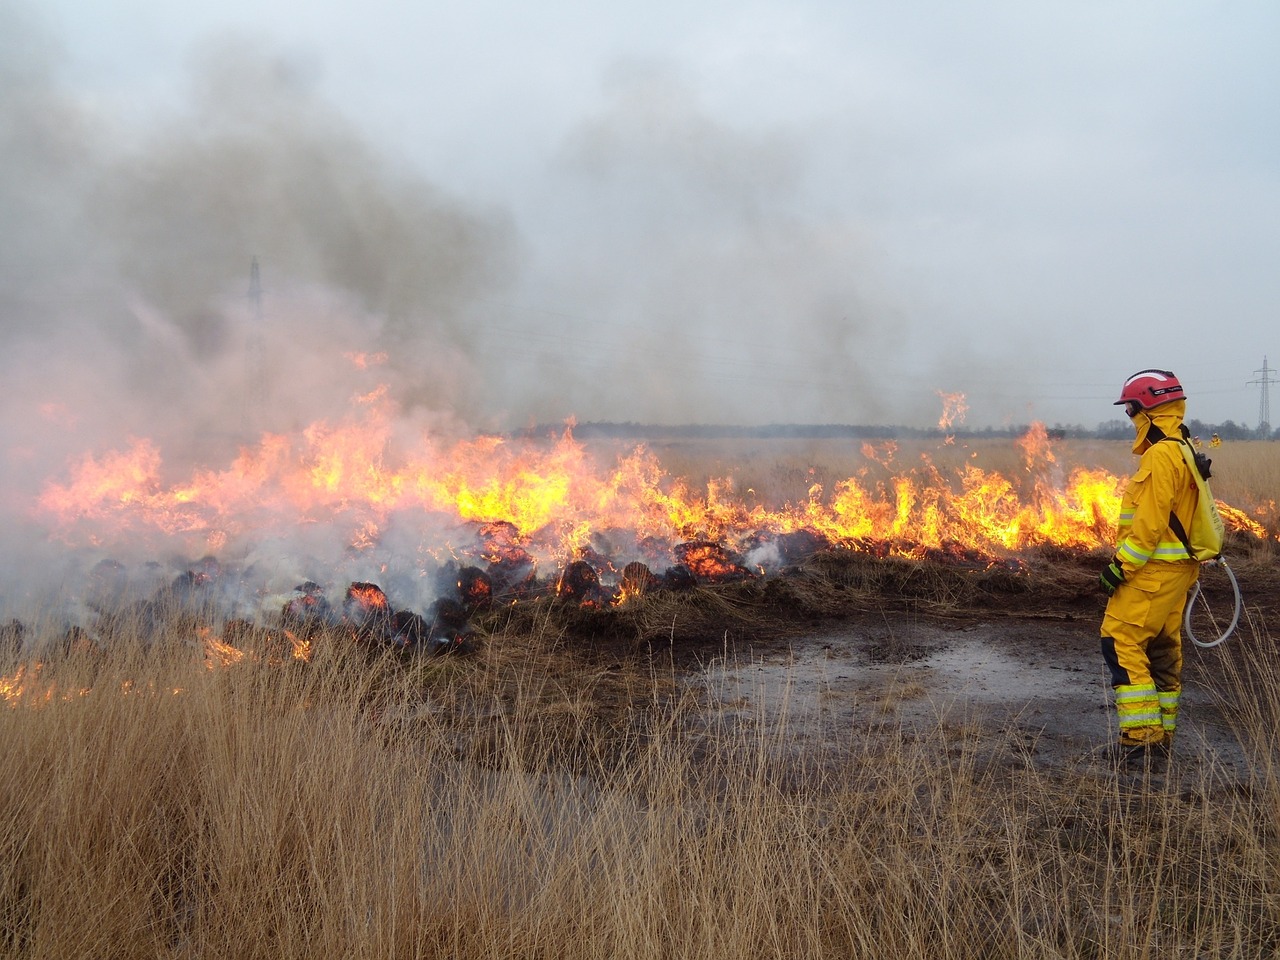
column 1169, row 710
column 1137, row 705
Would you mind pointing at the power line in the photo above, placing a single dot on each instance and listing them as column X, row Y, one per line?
column 1264, row 402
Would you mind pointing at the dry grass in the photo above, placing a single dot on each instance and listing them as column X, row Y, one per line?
column 491, row 807
column 780, row 471
column 563, row 795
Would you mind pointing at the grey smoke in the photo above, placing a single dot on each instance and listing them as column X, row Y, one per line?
column 697, row 287
column 677, row 276
column 128, row 252
column 125, row 268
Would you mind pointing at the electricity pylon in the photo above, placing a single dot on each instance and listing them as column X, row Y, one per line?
column 1264, row 404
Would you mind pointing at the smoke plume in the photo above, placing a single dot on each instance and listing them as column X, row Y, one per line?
column 127, row 300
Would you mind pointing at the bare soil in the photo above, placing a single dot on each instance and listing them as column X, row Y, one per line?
column 1029, row 693
column 847, row 653
column 1020, row 676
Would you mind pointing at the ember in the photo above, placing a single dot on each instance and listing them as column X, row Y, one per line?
column 369, row 618
column 409, row 630
column 367, row 613
column 309, row 612
column 475, row 588
column 580, row 583
column 637, row 580
column 711, row 563
column 511, row 568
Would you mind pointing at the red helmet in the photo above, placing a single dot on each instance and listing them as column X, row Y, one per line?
column 1150, row 388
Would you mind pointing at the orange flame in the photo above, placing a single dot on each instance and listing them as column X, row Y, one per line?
column 553, row 498
column 363, row 361
column 1035, row 446
column 882, row 454
column 25, row 687
column 954, row 408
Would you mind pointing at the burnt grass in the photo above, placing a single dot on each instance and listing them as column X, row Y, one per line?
column 586, row 681
column 584, row 678
column 544, row 683
column 831, row 586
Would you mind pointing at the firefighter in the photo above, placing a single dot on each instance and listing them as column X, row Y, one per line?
column 1151, row 573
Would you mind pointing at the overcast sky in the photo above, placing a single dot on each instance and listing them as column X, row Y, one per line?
column 684, row 212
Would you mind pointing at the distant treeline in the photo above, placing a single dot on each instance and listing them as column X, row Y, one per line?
column 1228, row 430
column 629, row 430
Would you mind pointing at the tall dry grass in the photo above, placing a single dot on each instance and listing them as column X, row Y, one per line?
column 153, row 807
column 785, row 469
column 775, row 472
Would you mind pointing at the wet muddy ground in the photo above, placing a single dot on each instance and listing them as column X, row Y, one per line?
column 1025, row 692
column 850, row 656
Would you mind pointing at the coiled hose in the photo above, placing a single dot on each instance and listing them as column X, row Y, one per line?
column 1191, row 599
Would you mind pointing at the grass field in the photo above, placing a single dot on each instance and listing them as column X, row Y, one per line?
column 1246, row 473
column 154, row 807
column 516, row 804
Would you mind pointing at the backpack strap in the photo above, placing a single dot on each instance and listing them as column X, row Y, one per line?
column 1180, row 532
column 1175, row 524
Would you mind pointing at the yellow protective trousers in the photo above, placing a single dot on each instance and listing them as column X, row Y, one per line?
column 1142, row 647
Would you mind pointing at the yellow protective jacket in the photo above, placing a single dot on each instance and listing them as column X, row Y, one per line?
column 1161, row 484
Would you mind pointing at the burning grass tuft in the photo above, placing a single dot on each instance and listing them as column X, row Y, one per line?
column 545, row 797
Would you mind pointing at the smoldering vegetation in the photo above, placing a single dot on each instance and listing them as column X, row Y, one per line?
column 342, row 779
column 134, row 320
column 196, row 767
column 537, row 800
